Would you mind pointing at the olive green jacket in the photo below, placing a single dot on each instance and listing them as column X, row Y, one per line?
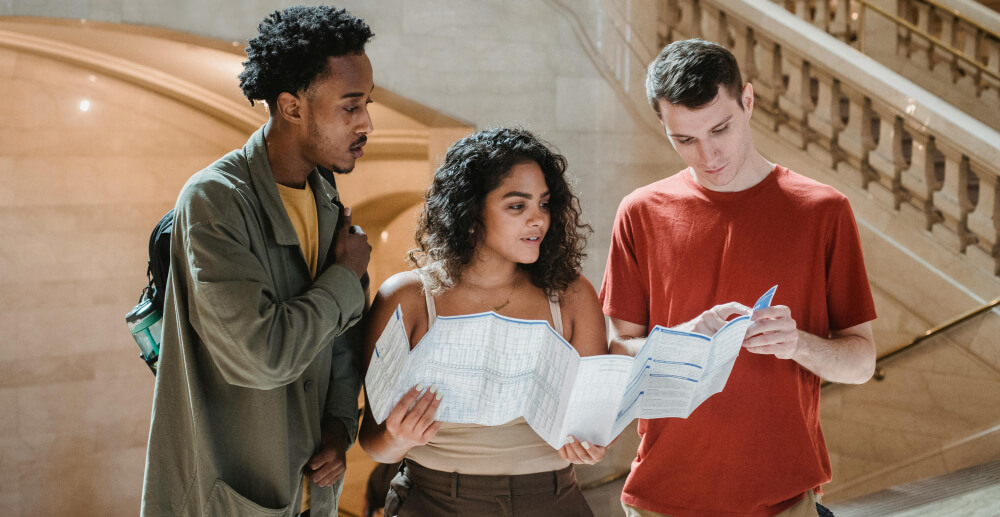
column 249, row 368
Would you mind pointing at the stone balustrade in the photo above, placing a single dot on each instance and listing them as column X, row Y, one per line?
column 905, row 146
column 953, row 52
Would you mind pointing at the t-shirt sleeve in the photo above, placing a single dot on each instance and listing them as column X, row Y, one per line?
column 848, row 293
column 623, row 290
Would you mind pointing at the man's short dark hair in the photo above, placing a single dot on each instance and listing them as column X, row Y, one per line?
column 291, row 49
column 689, row 73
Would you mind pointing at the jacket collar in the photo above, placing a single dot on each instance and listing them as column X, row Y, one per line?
column 262, row 180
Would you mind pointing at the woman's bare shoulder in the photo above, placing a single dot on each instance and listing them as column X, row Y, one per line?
column 580, row 295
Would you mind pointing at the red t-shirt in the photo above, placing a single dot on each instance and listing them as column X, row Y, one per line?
column 679, row 249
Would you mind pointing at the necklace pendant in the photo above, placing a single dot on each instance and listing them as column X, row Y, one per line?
column 501, row 306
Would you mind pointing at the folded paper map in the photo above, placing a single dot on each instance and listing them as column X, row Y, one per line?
column 491, row 369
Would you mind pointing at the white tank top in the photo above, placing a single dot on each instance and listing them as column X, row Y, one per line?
column 508, row 449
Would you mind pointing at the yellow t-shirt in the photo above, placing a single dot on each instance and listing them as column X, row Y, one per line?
column 300, row 205
column 301, row 208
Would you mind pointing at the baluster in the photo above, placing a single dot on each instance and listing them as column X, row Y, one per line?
column 802, row 9
column 965, row 42
column 768, row 83
column 696, row 19
column 850, row 141
column 722, row 30
column 967, row 36
column 921, row 50
column 952, row 200
column 984, row 221
column 744, row 51
column 841, row 24
column 688, row 25
column 821, row 18
column 885, row 160
column 989, row 87
column 945, row 62
column 672, row 17
column 937, row 24
column 904, row 36
column 919, row 178
column 870, row 128
column 824, row 121
column 991, row 49
column 795, row 102
column 714, row 24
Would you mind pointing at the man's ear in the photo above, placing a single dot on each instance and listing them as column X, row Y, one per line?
column 747, row 98
column 290, row 107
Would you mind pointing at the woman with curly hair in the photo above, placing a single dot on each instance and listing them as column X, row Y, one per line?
column 500, row 231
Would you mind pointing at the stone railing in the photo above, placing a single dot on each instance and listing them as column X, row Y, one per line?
column 906, row 147
column 953, row 52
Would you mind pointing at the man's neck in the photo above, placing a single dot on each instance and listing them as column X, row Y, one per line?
column 754, row 170
column 284, row 155
column 759, row 168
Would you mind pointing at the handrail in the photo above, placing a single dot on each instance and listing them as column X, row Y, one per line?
column 957, row 14
column 932, row 39
column 880, row 373
column 961, row 318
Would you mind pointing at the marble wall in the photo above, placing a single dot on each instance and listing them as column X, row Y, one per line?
column 81, row 188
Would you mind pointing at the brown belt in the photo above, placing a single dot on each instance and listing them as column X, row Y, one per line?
column 457, row 484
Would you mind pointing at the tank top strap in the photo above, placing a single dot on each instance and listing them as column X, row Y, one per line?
column 556, row 311
column 429, row 300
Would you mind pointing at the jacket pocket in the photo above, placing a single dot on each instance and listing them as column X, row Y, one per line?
column 224, row 501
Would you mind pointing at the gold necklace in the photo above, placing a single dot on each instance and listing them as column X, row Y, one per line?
column 497, row 308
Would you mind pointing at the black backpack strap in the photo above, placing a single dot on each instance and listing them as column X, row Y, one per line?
column 159, row 258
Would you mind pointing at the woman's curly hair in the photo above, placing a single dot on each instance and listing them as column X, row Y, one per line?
column 451, row 223
column 291, row 49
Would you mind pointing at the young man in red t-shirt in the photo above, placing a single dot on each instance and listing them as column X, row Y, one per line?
column 727, row 228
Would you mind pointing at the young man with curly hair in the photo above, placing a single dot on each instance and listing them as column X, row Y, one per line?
column 728, row 227
column 256, row 395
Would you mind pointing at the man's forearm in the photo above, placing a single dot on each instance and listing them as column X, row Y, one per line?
column 629, row 346
column 848, row 359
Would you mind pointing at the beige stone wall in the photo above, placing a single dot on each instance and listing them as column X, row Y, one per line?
column 81, row 190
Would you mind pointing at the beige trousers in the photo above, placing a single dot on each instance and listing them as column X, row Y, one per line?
column 804, row 508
